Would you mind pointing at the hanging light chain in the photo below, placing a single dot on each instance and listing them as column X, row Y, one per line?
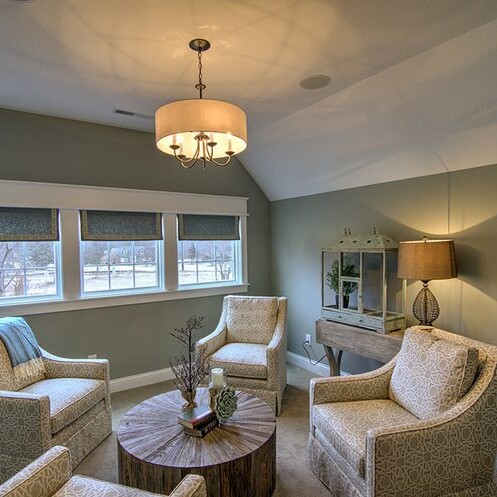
column 200, row 86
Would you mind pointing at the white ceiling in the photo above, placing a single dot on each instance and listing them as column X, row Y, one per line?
column 413, row 92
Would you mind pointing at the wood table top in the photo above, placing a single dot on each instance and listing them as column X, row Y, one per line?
column 150, row 432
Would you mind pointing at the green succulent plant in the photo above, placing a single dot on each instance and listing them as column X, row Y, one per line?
column 226, row 403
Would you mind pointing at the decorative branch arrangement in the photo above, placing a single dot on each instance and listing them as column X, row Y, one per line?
column 191, row 365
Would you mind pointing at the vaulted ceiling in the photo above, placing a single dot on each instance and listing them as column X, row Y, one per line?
column 413, row 83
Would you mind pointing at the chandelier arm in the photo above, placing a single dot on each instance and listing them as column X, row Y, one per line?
column 204, row 155
column 188, row 163
column 222, row 164
column 210, row 151
column 210, row 157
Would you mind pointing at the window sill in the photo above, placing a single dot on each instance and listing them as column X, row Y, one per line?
column 95, row 302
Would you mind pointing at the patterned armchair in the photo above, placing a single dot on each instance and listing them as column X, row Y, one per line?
column 67, row 403
column 422, row 425
column 250, row 344
column 50, row 475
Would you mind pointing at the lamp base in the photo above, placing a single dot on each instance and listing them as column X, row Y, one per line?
column 425, row 307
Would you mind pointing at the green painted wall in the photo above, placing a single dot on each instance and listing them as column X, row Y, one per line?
column 465, row 200
column 135, row 338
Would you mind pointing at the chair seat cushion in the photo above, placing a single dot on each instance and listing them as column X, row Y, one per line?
column 70, row 398
column 89, row 487
column 245, row 360
column 345, row 425
column 431, row 375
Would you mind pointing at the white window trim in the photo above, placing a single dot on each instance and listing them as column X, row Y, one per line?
column 72, row 198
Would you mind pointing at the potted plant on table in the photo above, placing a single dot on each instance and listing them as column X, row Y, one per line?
column 333, row 282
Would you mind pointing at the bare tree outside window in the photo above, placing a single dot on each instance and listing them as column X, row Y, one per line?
column 28, row 269
column 206, row 261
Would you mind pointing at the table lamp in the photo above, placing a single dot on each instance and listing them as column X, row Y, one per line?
column 426, row 260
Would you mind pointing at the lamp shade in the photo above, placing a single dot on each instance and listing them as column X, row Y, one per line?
column 178, row 123
column 427, row 260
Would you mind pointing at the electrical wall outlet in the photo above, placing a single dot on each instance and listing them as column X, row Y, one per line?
column 92, row 356
column 308, row 338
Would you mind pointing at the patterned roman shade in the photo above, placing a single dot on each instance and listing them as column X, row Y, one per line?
column 20, row 224
column 120, row 226
column 204, row 227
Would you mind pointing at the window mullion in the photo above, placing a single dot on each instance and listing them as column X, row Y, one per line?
column 109, row 271
column 72, row 276
column 195, row 244
column 170, row 252
column 133, row 262
column 215, row 262
column 242, row 254
column 24, row 272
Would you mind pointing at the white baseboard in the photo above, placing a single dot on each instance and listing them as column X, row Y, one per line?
column 140, row 380
column 159, row 375
column 303, row 362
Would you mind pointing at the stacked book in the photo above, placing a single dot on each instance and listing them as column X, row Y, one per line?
column 198, row 422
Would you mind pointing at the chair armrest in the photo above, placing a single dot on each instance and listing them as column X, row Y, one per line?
column 43, row 477
column 61, row 367
column 215, row 340
column 25, row 430
column 450, row 452
column 190, row 486
column 365, row 386
column 276, row 350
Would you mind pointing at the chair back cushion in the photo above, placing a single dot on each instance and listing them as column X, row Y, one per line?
column 251, row 319
column 431, row 375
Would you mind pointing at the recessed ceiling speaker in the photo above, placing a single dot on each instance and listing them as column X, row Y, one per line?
column 315, row 82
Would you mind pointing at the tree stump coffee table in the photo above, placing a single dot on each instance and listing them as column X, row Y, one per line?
column 237, row 459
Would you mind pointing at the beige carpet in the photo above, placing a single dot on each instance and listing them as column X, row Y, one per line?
column 294, row 479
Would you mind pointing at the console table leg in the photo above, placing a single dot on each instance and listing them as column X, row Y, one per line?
column 334, row 361
column 339, row 361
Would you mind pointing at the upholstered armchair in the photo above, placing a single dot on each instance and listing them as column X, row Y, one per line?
column 249, row 343
column 68, row 403
column 51, row 475
column 422, row 425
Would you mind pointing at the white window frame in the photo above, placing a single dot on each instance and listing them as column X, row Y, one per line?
column 70, row 199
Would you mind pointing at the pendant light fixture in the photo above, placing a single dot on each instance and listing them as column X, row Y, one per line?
column 201, row 129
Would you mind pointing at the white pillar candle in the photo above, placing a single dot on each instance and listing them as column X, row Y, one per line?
column 217, row 377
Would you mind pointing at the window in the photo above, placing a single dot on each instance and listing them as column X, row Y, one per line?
column 28, row 269
column 29, row 251
column 118, row 266
column 206, row 261
column 65, row 247
column 208, row 248
column 120, row 250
